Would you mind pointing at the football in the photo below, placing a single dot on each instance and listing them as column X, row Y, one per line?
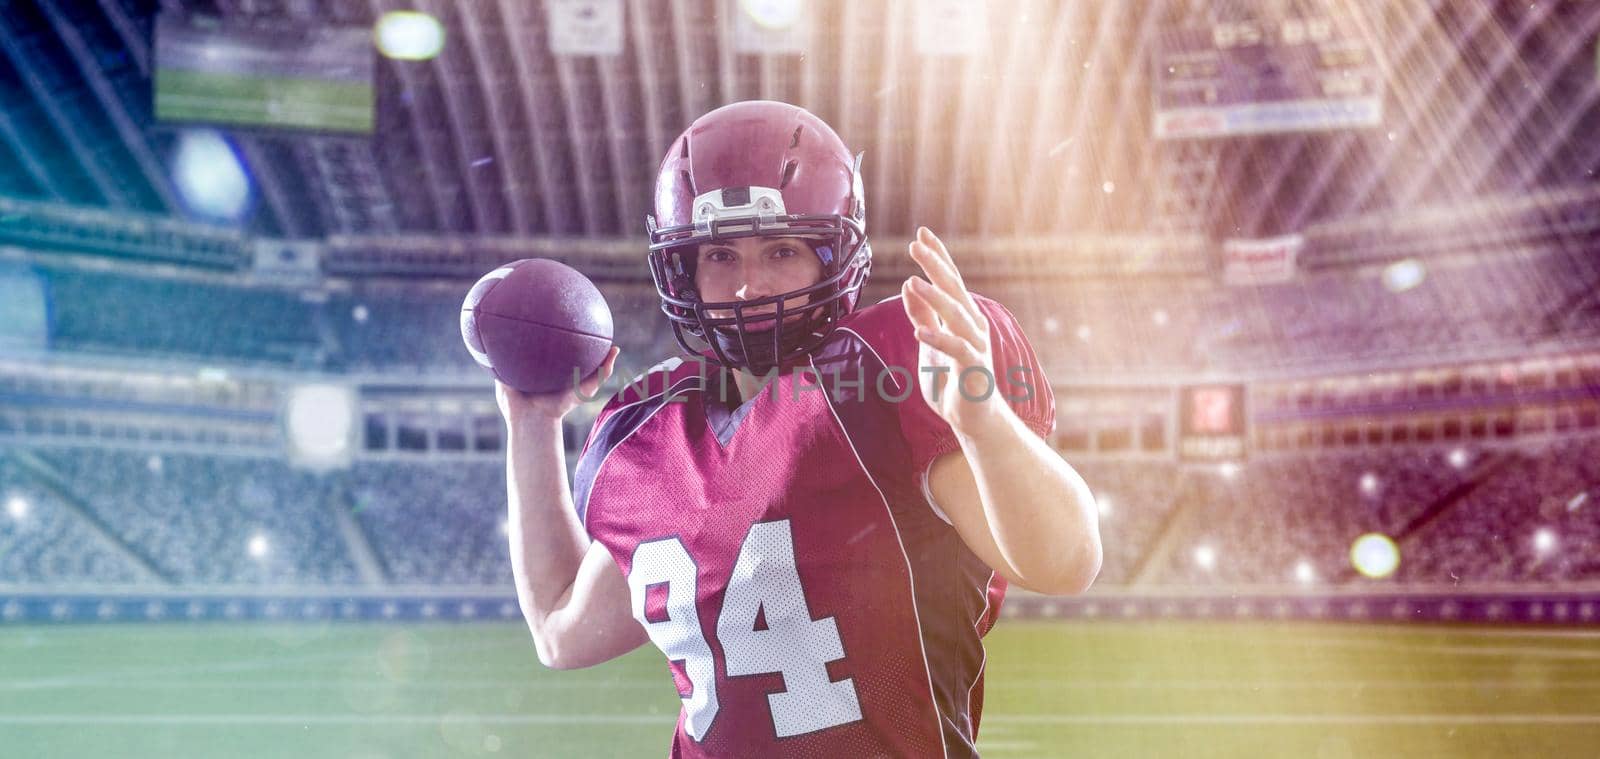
column 533, row 323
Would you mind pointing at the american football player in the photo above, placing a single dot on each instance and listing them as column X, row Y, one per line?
column 814, row 512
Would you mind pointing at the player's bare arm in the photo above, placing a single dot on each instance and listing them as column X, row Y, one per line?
column 1014, row 501
column 572, row 595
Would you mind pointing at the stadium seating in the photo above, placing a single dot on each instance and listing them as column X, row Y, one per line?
column 1481, row 517
column 45, row 544
column 1262, row 521
column 1327, row 320
column 102, row 313
column 398, row 334
column 194, row 517
column 417, row 333
column 1475, row 524
column 1092, row 328
column 435, row 525
column 1535, row 520
column 1136, row 500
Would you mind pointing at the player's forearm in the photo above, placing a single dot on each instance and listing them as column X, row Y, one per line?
column 1040, row 511
column 547, row 542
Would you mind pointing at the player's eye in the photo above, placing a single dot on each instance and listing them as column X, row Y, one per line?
column 785, row 252
column 719, row 255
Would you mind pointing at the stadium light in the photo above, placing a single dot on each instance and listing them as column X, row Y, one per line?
column 320, row 425
column 1305, row 573
column 773, row 14
column 1104, row 503
column 1160, row 317
column 1459, row 458
column 258, row 546
column 1206, row 557
column 359, row 313
column 1228, row 469
column 1375, row 555
column 1369, row 483
column 210, row 176
column 154, row 464
column 1576, row 502
column 1108, row 187
column 1084, row 332
column 1403, row 275
column 1544, row 541
column 504, row 527
column 1052, row 324
column 17, row 507
column 408, row 35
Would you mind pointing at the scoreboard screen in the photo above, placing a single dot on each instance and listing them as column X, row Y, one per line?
column 260, row 74
column 1212, row 423
column 1257, row 76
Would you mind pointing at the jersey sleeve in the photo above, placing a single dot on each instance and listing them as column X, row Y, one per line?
column 627, row 409
column 616, row 401
column 590, row 456
column 1018, row 377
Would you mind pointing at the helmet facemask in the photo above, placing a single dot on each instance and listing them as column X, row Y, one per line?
column 744, row 338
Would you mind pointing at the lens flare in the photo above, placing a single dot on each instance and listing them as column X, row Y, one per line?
column 1375, row 555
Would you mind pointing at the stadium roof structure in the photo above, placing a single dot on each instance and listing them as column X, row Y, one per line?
column 1044, row 129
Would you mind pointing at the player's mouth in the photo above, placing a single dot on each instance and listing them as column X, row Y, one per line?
column 763, row 318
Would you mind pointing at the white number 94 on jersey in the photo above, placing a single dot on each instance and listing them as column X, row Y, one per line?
column 764, row 583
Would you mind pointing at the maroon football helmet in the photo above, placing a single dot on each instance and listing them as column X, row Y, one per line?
column 758, row 168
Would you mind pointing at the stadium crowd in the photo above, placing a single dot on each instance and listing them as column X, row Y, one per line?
column 214, row 520
column 1494, row 515
column 1535, row 520
column 43, row 543
column 435, row 525
column 104, row 313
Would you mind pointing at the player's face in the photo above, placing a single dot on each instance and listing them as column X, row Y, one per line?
column 751, row 268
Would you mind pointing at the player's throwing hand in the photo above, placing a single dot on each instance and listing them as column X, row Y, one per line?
column 519, row 408
column 952, row 336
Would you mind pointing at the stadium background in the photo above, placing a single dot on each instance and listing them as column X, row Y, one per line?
column 1299, row 272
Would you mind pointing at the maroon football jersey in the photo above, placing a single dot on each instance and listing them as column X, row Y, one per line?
column 785, row 554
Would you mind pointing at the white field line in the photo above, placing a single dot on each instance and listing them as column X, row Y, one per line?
column 1466, row 631
column 1535, row 652
column 1295, row 719
column 664, row 684
column 1246, row 684
column 235, row 665
column 186, row 720
column 1003, row 746
column 1512, row 651
column 304, row 633
column 1438, row 648
column 156, row 678
column 1298, row 632
column 416, row 718
column 413, row 683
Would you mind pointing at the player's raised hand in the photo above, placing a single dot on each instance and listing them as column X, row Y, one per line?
column 952, row 336
column 518, row 407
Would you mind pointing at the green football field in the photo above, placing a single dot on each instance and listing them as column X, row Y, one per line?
column 1055, row 689
column 263, row 100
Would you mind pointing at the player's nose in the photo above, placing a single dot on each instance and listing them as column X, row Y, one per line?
column 751, row 291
